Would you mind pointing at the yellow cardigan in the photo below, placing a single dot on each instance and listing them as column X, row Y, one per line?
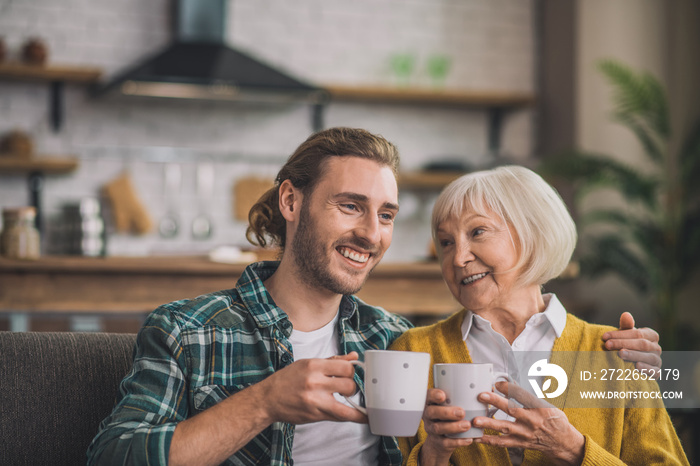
column 613, row 436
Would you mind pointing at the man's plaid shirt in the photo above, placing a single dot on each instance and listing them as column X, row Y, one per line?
column 191, row 354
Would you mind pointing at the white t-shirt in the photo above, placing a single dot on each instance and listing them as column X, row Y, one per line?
column 327, row 442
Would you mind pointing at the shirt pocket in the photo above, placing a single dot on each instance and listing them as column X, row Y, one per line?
column 207, row 396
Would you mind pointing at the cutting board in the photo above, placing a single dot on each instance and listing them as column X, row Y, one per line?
column 246, row 192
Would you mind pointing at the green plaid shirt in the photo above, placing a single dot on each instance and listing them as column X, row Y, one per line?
column 192, row 354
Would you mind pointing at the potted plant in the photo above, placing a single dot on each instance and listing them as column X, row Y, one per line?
column 653, row 241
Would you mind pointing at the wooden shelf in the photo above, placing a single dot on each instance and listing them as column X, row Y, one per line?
column 56, row 76
column 495, row 103
column 10, row 164
column 427, row 96
column 48, row 73
column 427, row 180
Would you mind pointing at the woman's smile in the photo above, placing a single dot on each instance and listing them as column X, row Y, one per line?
column 474, row 278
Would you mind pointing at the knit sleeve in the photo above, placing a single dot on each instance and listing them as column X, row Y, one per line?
column 650, row 438
column 410, row 450
column 595, row 455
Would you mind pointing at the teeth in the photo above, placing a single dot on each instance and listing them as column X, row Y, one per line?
column 473, row 278
column 356, row 256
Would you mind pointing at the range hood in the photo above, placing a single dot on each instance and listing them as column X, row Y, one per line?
column 198, row 64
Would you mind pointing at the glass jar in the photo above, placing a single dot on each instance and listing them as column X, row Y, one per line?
column 20, row 238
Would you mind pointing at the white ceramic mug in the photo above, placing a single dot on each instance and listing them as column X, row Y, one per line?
column 462, row 383
column 396, row 386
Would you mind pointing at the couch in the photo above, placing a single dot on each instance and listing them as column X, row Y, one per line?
column 55, row 389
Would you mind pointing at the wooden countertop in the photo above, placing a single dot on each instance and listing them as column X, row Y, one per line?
column 179, row 265
column 72, row 284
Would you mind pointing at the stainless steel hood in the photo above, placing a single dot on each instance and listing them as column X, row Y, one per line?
column 198, row 64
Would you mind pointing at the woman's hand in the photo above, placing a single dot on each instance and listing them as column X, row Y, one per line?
column 438, row 421
column 538, row 425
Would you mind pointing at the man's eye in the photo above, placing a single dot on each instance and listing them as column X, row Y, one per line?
column 387, row 217
column 349, row 206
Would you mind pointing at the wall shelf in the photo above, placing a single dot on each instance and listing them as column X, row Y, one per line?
column 14, row 165
column 430, row 181
column 48, row 73
column 428, row 96
column 35, row 168
column 56, row 76
column 495, row 103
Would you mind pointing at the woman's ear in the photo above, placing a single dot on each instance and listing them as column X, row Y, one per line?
column 290, row 201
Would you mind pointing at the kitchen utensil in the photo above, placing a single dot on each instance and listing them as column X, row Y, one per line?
column 246, row 192
column 169, row 224
column 84, row 231
column 128, row 211
column 202, row 224
column 19, row 238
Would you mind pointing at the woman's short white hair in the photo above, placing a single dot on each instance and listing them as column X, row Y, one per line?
column 544, row 228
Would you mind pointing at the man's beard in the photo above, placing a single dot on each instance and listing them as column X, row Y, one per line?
column 314, row 263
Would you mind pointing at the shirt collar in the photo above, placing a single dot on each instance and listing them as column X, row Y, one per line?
column 554, row 313
column 254, row 295
column 262, row 307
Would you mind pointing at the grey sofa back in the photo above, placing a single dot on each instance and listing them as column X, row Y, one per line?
column 55, row 389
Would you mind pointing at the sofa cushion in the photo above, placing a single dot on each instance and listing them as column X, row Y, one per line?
column 55, row 389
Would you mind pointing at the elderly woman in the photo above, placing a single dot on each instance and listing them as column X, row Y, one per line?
column 500, row 235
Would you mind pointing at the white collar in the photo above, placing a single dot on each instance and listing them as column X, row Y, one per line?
column 554, row 313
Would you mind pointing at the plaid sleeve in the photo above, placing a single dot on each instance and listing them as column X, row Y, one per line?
column 152, row 399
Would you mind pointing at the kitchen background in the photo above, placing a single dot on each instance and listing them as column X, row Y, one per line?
column 492, row 45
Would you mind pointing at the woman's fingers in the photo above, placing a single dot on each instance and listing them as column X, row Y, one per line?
column 538, row 425
column 522, row 396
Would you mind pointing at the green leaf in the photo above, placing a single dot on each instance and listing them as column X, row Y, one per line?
column 644, row 234
column 608, row 254
column 611, row 216
column 589, row 171
column 653, row 148
column 638, row 95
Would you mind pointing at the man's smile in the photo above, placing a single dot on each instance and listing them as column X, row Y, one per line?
column 353, row 254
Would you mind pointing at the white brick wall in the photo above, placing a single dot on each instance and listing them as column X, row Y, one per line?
column 323, row 41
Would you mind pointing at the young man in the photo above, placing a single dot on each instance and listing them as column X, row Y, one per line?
column 255, row 374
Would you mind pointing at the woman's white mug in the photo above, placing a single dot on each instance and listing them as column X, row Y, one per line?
column 396, row 386
column 462, row 383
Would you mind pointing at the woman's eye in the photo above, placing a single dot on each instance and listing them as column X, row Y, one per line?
column 477, row 231
column 445, row 243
